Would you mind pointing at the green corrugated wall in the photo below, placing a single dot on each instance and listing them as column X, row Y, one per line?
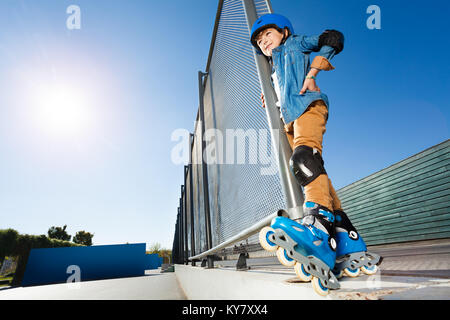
column 407, row 201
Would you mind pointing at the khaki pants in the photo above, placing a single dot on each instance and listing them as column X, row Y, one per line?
column 308, row 130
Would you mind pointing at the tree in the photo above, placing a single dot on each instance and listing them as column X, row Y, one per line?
column 154, row 248
column 19, row 245
column 166, row 254
column 8, row 240
column 59, row 233
column 162, row 252
column 83, row 237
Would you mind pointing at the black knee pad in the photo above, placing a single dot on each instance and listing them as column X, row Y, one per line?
column 306, row 164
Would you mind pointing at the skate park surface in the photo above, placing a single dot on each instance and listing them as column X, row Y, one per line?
column 412, row 271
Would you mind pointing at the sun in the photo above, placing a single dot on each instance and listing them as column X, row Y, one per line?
column 62, row 110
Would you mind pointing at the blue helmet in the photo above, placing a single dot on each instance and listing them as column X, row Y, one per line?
column 270, row 20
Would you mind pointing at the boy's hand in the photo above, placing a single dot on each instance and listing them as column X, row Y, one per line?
column 309, row 84
column 262, row 99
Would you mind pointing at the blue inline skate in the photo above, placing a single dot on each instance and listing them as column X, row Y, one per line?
column 351, row 252
column 309, row 246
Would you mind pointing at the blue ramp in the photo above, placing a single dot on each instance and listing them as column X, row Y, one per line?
column 58, row 265
column 153, row 261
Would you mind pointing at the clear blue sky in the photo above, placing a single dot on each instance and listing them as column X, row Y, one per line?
column 133, row 66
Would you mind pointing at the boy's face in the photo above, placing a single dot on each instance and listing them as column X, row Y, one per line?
column 269, row 39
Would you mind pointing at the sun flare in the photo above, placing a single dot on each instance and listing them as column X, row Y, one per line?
column 62, row 110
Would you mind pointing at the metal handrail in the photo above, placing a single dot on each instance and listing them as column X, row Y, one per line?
column 241, row 235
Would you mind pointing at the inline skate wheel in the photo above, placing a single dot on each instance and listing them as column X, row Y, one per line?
column 340, row 274
column 283, row 257
column 369, row 270
column 264, row 240
column 301, row 272
column 318, row 287
column 353, row 273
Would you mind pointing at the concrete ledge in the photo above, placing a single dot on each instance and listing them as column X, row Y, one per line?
column 272, row 284
column 221, row 284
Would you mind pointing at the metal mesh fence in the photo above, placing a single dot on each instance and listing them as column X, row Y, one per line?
column 243, row 179
column 197, row 188
column 239, row 194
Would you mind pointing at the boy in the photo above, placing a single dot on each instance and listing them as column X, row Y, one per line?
column 304, row 110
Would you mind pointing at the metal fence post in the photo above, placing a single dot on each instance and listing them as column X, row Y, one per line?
column 191, row 199
column 175, row 241
column 180, row 238
column 184, row 212
column 292, row 191
column 269, row 6
column 182, row 230
column 204, row 168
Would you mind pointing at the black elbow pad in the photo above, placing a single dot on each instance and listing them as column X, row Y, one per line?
column 332, row 38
